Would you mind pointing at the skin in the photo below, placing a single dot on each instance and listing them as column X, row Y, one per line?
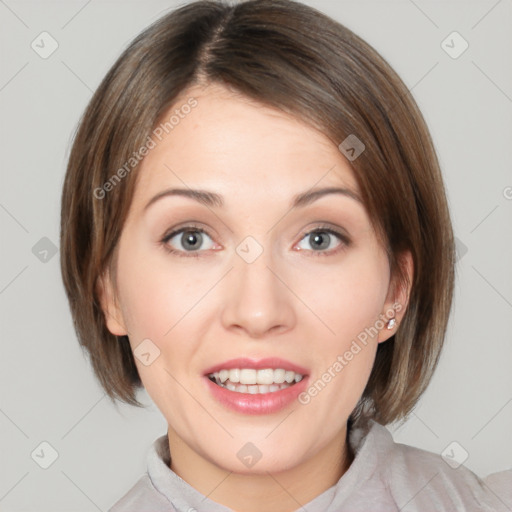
column 306, row 306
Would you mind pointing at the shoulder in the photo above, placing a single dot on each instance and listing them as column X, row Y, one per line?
column 500, row 483
column 142, row 497
column 418, row 480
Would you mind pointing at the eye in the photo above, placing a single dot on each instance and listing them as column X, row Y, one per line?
column 322, row 239
column 190, row 239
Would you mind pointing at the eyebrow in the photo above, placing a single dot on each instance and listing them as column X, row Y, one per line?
column 213, row 200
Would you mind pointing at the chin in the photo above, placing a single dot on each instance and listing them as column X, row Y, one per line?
column 252, row 458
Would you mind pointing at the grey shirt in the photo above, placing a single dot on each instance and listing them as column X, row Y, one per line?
column 384, row 477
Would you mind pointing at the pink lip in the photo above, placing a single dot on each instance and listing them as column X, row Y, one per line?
column 265, row 403
column 257, row 364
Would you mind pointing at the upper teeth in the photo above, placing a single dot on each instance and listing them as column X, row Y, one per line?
column 252, row 376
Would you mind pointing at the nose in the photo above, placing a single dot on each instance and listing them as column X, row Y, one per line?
column 258, row 299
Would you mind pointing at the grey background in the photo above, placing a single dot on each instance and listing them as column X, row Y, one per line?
column 48, row 392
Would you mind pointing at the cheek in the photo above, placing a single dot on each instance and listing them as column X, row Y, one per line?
column 158, row 301
column 349, row 301
column 162, row 302
column 349, row 297
column 155, row 293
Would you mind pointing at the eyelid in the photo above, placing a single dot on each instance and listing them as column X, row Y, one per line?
column 329, row 228
column 189, row 226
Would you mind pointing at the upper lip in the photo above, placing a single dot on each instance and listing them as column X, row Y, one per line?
column 257, row 364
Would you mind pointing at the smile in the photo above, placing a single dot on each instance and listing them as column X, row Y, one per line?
column 251, row 386
column 252, row 381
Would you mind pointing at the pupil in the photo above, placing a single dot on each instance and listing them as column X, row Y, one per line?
column 191, row 239
column 319, row 237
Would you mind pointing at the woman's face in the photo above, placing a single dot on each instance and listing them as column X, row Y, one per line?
column 254, row 277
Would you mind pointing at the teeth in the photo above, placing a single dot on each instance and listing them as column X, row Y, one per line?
column 265, row 376
column 249, row 380
column 234, row 375
column 279, row 376
column 248, row 376
column 254, row 389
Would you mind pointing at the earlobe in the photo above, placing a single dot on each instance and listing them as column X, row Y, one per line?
column 109, row 305
column 398, row 298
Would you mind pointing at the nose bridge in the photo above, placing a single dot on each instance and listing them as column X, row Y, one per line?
column 258, row 300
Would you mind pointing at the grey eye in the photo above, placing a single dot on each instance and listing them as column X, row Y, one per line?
column 320, row 240
column 190, row 239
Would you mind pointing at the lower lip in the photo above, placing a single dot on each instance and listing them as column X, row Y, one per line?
column 262, row 403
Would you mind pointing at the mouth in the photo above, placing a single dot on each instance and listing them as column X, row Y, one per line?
column 255, row 381
column 256, row 386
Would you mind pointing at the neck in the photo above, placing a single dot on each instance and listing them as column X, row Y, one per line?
column 285, row 491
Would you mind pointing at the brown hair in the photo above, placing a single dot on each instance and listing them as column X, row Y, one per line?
column 291, row 57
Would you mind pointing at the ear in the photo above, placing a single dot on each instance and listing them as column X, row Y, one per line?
column 113, row 315
column 398, row 297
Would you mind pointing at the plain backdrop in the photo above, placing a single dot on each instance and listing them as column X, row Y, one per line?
column 48, row 392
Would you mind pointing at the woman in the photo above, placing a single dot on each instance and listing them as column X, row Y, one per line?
column 255, row 229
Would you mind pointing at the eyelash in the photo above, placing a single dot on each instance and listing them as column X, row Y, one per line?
column 345, row 241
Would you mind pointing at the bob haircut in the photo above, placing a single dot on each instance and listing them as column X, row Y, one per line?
column 288, row 56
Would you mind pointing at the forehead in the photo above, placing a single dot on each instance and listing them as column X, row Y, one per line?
column 240, row 148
